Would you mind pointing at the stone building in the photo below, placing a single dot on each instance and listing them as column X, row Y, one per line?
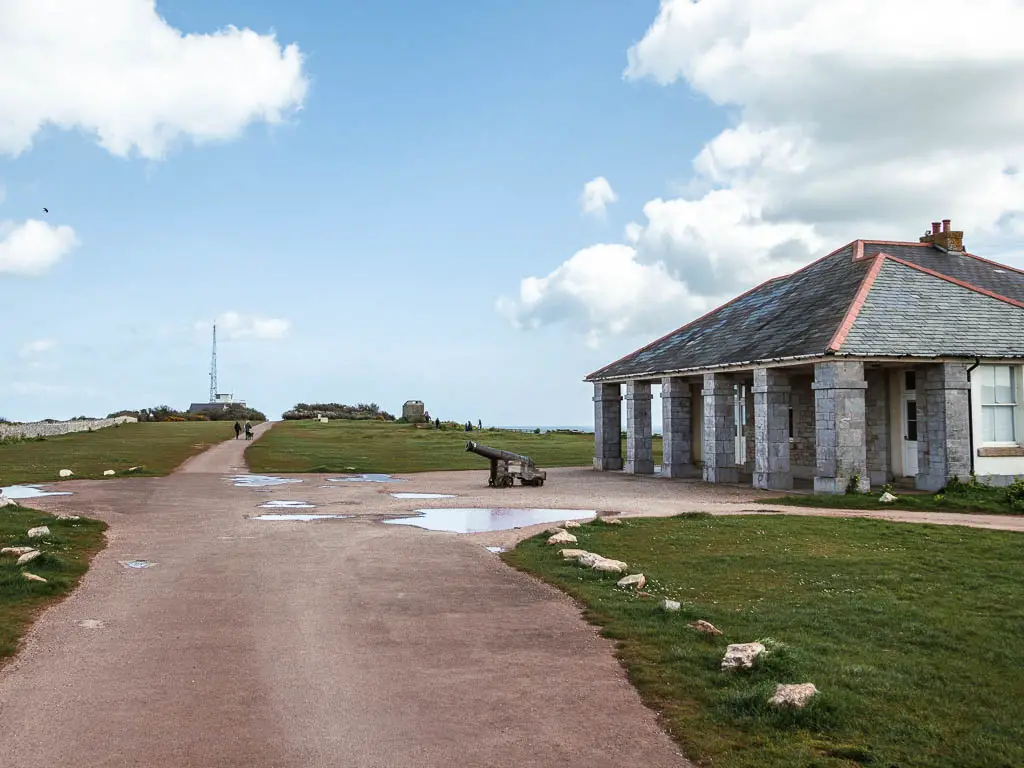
column 414, row 411
column 880, row 362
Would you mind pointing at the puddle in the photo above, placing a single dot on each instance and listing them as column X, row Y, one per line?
column 480, row 519
column 369, row 477
column 136, row 563
column 297, row 518
column 423, row 495
column 261, row 481
column 90, row 623
column 495, row 550
column 29, row 492
column 288, row 505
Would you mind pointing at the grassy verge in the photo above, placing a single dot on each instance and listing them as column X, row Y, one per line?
column 66, row 555
column 910, row 632
column 157, row 447
column 373, row 446
column 957, row 497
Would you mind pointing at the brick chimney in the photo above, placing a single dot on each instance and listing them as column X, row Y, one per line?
column 945, row 238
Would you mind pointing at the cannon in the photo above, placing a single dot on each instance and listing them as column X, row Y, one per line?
column 507, row 466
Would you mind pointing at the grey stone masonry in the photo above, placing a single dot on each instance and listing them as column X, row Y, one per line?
column 771, row 429
column 639, row 437
column 841, row 444
column 876, row 404
column 719, row 445
column 607, row 426
column 677, row 429
column 55, row 428
column 943, row 433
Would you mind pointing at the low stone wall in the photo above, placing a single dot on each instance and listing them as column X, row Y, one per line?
column 52, row 429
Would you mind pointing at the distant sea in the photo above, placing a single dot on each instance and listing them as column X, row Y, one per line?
column 548, row 428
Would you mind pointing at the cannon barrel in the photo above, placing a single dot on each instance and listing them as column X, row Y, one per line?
column 496, row 454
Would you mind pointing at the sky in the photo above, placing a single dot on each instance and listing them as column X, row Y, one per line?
column 470, row 204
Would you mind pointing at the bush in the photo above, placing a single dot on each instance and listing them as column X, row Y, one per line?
column 1015, row 496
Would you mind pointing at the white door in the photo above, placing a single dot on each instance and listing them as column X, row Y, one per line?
column 739, row 392
column 910, row 434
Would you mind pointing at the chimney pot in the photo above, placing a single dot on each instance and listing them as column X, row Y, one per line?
column 945, row 225
column 935, row 227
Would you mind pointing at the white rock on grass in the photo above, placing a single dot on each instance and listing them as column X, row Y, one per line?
column 562, row 538
column 633, row 581
column 108, row 472
column 589, row 558
column 42, row 530
column 704, row 626
column 669, row 605
column 741, row 655
column 610, row 520
column 573, row 554
column 553, row 531
column 16, row 551
column 571, row 524
column 7, row 502
column 793, row 695
column 887, row 498
column 28, row 557
column 32, row 577
column 65, row 516
column 606, row 565
column 65, row 473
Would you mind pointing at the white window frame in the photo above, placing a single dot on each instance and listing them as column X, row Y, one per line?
column 1014, row 407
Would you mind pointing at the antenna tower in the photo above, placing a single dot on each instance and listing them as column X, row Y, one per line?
column 213, row 367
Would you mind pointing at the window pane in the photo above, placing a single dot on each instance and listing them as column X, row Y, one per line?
column 987, row 384
column 910, row 381
column 988, row 425
column 1003, row 424
column 912, row 420
column 1004, row 384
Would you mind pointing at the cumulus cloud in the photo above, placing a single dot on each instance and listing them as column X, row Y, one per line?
column 601, row 290
column 32, row 247
column 233, row 326
column 116, row 69
column 38, row 347
column 841, row 129
column 597, row 195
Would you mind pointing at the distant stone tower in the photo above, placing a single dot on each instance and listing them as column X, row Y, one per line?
column 413, row 411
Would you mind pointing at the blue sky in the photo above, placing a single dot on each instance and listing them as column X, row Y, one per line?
column 437, row 161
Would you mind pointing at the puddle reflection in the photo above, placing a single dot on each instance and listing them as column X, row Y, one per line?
column 481, row 519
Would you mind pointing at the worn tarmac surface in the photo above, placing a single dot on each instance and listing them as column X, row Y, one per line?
column 337, row 642
column 332, row 643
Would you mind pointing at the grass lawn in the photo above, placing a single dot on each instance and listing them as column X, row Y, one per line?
column 374, row 446
column 912, row 633
column 957, row 497
column 66, row 555
column 156, row 447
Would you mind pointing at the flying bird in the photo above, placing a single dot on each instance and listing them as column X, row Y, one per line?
column 46, row 210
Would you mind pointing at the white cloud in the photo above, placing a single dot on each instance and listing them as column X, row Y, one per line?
column 600, row 291
column 116, row 69
column 597, row 194
column 853, row 118
column 32, row 247
column 38, row 347
column 233, row 326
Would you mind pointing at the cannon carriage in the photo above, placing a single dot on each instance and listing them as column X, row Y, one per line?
column 507, row 466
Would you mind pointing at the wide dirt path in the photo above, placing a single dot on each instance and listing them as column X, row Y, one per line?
column 335, row 643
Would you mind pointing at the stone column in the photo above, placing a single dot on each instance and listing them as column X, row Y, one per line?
column 943, row 433
column 639, row 437
column 841, row 443
column 719, row 446
column 607, row 426
column 676, row 428
column 771, row 429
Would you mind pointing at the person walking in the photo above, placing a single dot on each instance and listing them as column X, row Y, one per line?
column 248, row 431
column 238, row 430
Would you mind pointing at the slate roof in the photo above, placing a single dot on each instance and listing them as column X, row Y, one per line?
column 868, row 298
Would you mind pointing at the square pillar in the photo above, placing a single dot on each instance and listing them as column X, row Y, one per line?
column 607, row 426
column 719, row 444
column 841, row 444
column 639, row 435
column 771, row 429
column 943, row 433
column 676, row 428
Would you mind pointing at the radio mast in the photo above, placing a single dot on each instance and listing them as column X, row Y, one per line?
column 213, row 367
